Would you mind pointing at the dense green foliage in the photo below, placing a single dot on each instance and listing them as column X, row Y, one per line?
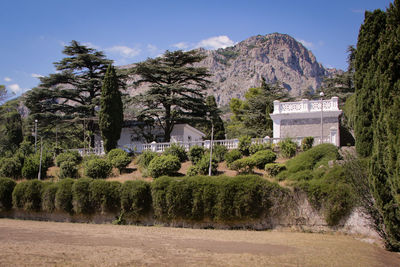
column 68, row 169
column 31, row 166
column 10, row 129
column 377, row 118
column 202, row 167
column 232, row 156
column 164, row 165
column 81, row 196
column 49, row 196
column 105, row 196
column 27, row 195
column 244, row 145
column 6, row 189
column 220, row 199
column 72, row 156
column 98, row 168
column 274, row 169
column 136, row 198
column 177, row 151
column 63, row 198
column 215, row 120
column 196, row 153
column 243, row 165
column 111, row 115
column 254, row 148
column 10, row 167
column 307, row 143
column 119, row 158
column 144, row 159
column 288, row 148
column 263, row 157
column 219, row 152
column 176, row 90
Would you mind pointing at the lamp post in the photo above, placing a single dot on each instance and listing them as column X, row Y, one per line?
column 36, row 121
column 211, row 148
column 322, row 117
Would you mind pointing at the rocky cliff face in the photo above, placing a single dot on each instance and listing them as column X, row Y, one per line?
column 276, row 57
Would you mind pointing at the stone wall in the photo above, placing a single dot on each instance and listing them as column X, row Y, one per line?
column 307, row 127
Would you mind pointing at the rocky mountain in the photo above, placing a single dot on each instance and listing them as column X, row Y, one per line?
column 276, row 57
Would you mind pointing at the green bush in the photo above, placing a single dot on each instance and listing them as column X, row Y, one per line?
column 49, row 196
column 6, row 189
column 307, row 143
column 81, row 196
column 220, row 199
column 63, row 200
column 144, row 159
column 71, row 156
column 121, row 161
column 115, row 153
column 98, row 168
column 10, row 167
column 274, row 169
column 177, row 151
column 27, row 195
column 244, row 145
column 192, row 171
column 244, row 165
column 136, row 198
column 105, row 196
column 232, row 156
column 88, row 158
column 254, row 148
column 263, row 157
column 68, row 169
column 164, row 165
column 288, row 148
column 30, row 169
column 202, row 167
column 219, row 152
column 196, row 153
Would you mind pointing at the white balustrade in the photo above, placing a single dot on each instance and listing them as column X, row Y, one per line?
column 305, row 105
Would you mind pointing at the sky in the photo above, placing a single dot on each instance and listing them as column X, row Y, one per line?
column 34, row 32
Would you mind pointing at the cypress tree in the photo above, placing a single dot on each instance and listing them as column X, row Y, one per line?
column 219, row 129
column 111, row 110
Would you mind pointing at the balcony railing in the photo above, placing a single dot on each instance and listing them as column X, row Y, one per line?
column 305, row 105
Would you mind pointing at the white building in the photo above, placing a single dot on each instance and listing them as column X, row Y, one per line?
column 303, row 118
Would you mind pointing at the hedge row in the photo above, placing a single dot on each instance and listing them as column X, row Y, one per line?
column 200, row 198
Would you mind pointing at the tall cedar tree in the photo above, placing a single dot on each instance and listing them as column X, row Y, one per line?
column 378, row 112
column 176, row 92
column 366, row 63
column 71, row 94
column 251, row 116
column 111, row 116
column 10, row 128
column 215, row 119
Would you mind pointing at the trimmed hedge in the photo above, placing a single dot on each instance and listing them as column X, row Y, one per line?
column 6, row 189
column 27, row 195
column 164, row 165
column 105, row 196
column 244, row 165
column 81, row 196
column 254, row 148
column 221, row 199
column 263, row 157
column 98, row 168
column 136, row 198
column 63, row 199
column 49, row 196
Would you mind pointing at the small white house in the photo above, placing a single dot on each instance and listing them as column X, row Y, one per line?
column 307, row 118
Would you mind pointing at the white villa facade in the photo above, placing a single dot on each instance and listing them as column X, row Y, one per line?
column 303, row 118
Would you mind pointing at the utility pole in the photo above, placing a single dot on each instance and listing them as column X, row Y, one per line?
column 322, row 117
column 211, row 149
column 40, row 162
column 36, row 121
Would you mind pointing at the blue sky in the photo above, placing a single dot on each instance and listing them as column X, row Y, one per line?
column 34, row 32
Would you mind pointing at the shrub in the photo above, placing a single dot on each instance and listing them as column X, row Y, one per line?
column 244, row 165
column 115, row 153
column 274, row 169
column 81, row 196
column 6, row 189
column 10, row 167
column 68, row 169
column 145, row 158
column 105, row 196
column 88, row 158
column 244, row 145
column 219, row 152
column 136, row 198
column 202, row 167
column 72, row 156
column 192, row 171
column 307, row 143
column 196, row 153
column 263, row 157
column 164, row 165
column 177, row 151
column 232, row 155
column 288, row 148
column 63, row 200
column 27, row 195
column 30, row 169
column 254, row 148
column 98, row 168
column 121, row 161
column 49, row 196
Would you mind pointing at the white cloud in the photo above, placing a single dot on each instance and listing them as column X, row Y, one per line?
column 35, row 75
column 7, row 79
column 124, row 51
column 16, row 89
column 181, row 45
column 216, row 42
column 309, row 45
column 152, row 48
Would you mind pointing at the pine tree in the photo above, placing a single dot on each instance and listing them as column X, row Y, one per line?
column 176, row 93
column 214, row 113
column 111, row 110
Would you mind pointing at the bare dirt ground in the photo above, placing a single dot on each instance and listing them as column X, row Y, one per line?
column 35, row 243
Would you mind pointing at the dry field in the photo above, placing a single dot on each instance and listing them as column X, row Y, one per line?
column 65, row 244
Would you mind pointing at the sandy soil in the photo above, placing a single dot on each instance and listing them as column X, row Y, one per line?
column 65, row 244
